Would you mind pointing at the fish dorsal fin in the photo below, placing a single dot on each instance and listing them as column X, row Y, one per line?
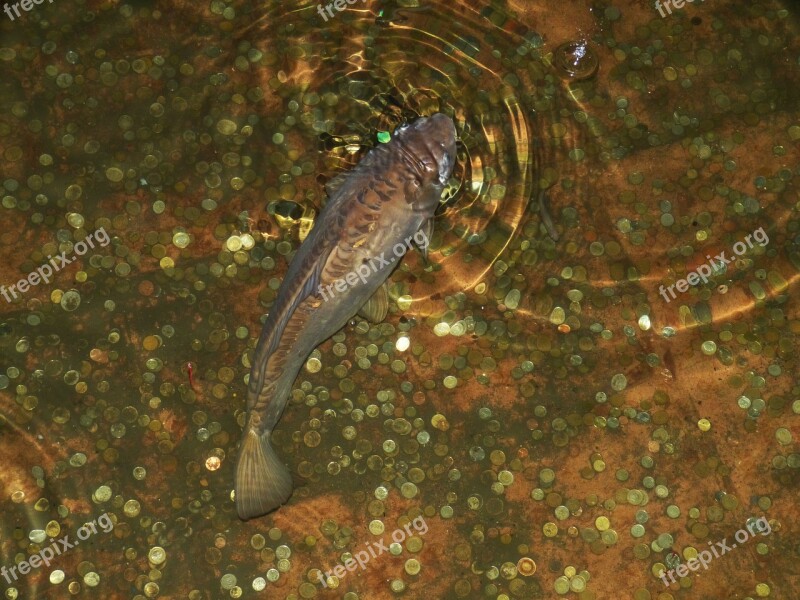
column 335, row 184
column 377, row 307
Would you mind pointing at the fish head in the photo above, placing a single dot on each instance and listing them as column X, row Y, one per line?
column 432, row 142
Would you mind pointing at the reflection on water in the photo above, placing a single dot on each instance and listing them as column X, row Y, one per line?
column 560, row 428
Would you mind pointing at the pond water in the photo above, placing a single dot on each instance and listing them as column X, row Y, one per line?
column 585, row 391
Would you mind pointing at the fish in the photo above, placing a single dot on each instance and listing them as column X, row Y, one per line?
column 387, row 199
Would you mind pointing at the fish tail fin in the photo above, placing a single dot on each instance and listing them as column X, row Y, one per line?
column 263, row 482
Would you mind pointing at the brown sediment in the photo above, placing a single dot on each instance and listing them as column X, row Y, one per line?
column 558, row 364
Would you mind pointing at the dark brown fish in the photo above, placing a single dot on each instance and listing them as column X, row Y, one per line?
column 385, row 201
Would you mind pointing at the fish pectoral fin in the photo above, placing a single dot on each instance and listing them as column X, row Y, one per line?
column 334, row 184
column 263, row 482
column 426, row 231
column 377, row 307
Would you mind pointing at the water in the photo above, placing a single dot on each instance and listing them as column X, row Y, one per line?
column 547, row 410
